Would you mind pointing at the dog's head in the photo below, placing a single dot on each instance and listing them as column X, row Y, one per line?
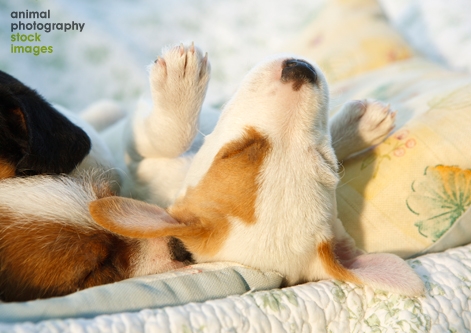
column 50, row 246
column 34, row 137
column 261, row 190
column 278, row 116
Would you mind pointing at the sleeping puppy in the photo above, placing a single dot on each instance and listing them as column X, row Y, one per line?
column 260, row 191
column 50, row 245
column 35, row 138
column 157, row 143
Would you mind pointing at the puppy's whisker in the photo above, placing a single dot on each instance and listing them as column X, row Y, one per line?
column 199, row 131
column 347, row 182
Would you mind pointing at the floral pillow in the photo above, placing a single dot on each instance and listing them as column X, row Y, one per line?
column 411, row 194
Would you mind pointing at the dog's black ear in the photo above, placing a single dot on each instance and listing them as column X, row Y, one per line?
column 13, row 132
column 56, row 145
column 39, row 139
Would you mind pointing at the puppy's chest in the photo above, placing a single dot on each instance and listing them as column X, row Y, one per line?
column 269, row 246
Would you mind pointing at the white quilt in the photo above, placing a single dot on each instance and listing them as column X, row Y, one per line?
column 326, row 306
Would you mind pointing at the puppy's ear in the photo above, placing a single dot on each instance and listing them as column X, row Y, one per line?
column 56, row 145
column 51, row 143
column 381, row 271
column 13, row 134
column 136, row 219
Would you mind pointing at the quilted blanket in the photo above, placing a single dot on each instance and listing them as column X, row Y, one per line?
column 326, row 306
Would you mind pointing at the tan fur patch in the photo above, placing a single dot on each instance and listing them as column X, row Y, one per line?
column 229, row 188
column 21, row 117
column 6, row 170
column 333, row 266
column 40, row 258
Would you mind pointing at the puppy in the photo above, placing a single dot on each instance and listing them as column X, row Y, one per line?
column 157, row 143
column 35, row 138
column 260, row 191
column 50, row 246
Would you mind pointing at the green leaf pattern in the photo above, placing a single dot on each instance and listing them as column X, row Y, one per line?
column 366, row 312
column 439, row 198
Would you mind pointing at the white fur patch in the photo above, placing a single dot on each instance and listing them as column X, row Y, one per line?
column 60, row 199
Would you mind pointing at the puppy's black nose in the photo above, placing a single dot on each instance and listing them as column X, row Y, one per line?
column 299, row 72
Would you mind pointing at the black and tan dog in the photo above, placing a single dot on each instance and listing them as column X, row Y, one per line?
column 35, row 138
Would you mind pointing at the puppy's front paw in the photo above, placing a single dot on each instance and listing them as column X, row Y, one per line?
column 373, row 119
column 179, row 78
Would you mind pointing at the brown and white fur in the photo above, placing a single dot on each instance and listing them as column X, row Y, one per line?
column 260, row 191
column 50, row 245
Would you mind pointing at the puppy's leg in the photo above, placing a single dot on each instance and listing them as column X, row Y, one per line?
column 178, row 82
column 103, row 114
column 359, row 125
column 159, row 136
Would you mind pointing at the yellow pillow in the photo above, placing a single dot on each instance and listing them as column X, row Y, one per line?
column 349, row 37
column 411, row 194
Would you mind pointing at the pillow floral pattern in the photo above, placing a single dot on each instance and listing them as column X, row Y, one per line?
column 395, row 146
column 439, row 198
